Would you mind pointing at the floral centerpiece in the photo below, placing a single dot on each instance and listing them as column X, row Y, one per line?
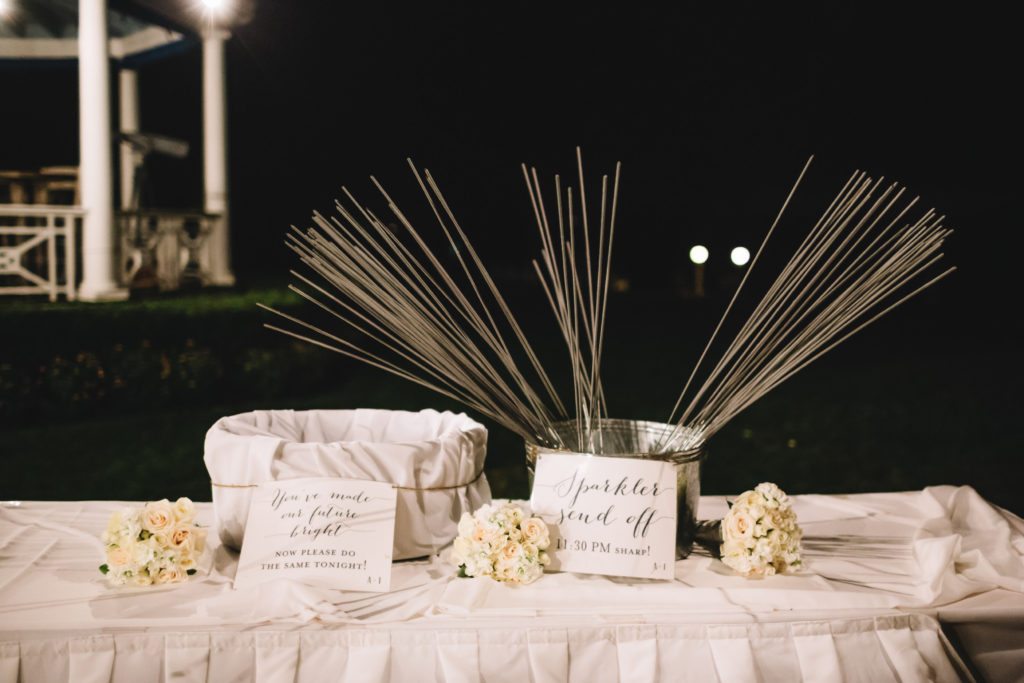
column 155, row 544
column 760, row 535
column 502, row 543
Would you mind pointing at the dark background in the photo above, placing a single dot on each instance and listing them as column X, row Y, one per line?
column 712, row 112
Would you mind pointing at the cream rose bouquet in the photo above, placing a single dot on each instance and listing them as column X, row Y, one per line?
column 760, row 535
column 502, row 543
column 155, row 544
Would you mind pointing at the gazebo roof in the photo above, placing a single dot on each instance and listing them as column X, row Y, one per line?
column 138, row 29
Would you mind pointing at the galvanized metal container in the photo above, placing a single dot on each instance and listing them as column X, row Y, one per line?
column 646, row 440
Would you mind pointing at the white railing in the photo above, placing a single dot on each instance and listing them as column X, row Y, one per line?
column 38, row 252
column 37, row 249
column 165, row 247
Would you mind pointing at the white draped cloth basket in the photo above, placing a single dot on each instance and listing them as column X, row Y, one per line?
column 435, row 460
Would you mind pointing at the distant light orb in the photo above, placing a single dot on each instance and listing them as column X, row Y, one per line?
column 699, row 254
column 740, row 256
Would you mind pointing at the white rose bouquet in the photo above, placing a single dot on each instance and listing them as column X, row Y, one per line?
column 155, row 544
column 500, row 542
column 760, row 535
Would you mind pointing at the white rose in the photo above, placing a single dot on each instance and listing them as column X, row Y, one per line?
column 498, row 518
column 511, row 550
column 505, row 571
column 158, row 517
column 513, row 514
column 746, row 499
column 119, row 556
column 738, row 562
column 756, row 510
column 494, row 533
column 184, row 510
column 738, row 524
column 124, row 523
column 775, row 497
column 536, row 531
column 144, row 552
column 486, row 532
column 466, row 525
column 764, row 553
column 461, row 549
column 115, row 527
column 479, row 565
column 734, row 547
column 182, row 537
column 170, row 575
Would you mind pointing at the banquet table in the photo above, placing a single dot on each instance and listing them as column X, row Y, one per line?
column 923, row 585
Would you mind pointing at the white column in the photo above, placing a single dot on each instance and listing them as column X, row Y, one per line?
column 96, row 168
column 128, row 81
column 215, row 156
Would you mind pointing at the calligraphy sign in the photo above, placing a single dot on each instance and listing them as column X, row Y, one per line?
column 613, row 516
column 329, row 532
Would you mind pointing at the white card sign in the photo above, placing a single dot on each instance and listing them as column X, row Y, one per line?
column 613, row 516
column 328, row 532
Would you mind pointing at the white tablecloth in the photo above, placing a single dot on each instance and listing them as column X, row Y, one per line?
column 884, row 573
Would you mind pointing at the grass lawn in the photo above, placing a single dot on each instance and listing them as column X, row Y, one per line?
column 877, row 416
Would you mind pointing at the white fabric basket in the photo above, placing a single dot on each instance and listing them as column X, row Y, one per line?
column 435, row 459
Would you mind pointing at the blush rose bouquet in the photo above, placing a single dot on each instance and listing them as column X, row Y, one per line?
column 158, row 543
column 502, row 543
column 760, row 534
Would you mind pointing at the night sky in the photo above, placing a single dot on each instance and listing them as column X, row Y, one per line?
column 712, row 113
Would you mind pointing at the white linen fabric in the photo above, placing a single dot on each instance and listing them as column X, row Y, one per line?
column 877, row 551
column 433, row 457
column 868, row 606
column 876, row 650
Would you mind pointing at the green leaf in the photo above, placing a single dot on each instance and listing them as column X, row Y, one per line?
column 104, row 569
column 462, row 572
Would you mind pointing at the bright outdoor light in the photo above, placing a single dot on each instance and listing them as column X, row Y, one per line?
column 740, row 256
column 211, row 8
column 212, row 12
column 6, row 8
column 698, row 254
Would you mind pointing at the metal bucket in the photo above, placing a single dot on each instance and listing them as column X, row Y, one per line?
column 649, row 441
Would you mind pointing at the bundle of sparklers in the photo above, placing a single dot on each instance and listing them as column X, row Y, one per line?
column 454, row 333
